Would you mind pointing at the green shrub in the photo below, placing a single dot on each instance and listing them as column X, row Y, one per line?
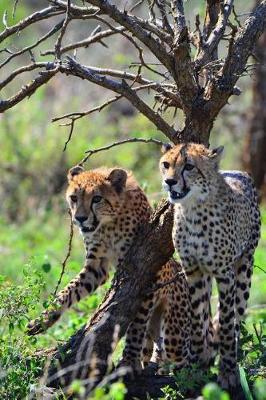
column 212, row 391
column 19, row 367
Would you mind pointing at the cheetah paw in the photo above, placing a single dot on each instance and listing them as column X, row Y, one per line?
column 130, row 367
column 229, row 380
column 40, row 325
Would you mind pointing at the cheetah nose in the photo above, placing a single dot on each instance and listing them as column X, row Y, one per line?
column 81, row 219
column 170, row 182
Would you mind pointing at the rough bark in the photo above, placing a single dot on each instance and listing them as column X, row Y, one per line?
column 152, row 386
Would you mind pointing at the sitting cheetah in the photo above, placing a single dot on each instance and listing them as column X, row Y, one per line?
column 108, row 206
column 216, row 230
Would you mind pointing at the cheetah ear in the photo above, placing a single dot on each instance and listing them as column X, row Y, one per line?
column 74, row 171
column 166, row 147
column 118, row 178
column 217, row 153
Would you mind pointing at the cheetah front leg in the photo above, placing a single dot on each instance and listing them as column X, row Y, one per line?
column 200, row 289
column 91, row 276
column 228, row 373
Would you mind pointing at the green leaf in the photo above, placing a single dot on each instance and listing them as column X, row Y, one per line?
column 45, row 304
column 244, row 384
column 212, row 391
column 11, row 327
column 46, row 267
column 117, row 391
column 260, row 389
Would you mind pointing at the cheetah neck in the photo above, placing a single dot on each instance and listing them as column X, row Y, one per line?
column 219, row 191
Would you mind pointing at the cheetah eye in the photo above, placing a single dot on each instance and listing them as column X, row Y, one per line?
column 188, row 167
column 166, row 164
column 73, row 198
column 97, row 199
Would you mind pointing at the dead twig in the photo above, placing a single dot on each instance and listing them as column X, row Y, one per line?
column 64, row 262
column 263, row 270
column 74, row 68
column 57, row 46
column 31, row 19
column 21, row 70
column 52, row 31
column 86, row 42
column 134, row 26
column 77, row 115
column 14, row 8
column 28, row 89
column 118, row 143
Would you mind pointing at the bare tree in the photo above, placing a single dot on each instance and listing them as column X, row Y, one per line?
column 199, row 86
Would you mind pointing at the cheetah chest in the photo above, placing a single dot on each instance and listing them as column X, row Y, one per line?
column 203, row 241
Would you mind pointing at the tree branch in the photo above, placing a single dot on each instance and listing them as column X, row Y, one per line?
column 178, row 13
column 21, row 70
column 74, row 68
column 55, row 29
column 118, row 143
column 27, row 90
column 31, row 19
column 134, row 26
column 220, row 89
column 211, row 17
column 166, row 24
column 57, row 46
column 80, row 114
column 87, row 42
column 183, row 72
column 210, row 46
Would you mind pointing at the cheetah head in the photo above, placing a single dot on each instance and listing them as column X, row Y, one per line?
column 187, row 170
column 95, row 196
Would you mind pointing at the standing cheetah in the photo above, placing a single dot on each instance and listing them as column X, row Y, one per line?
column 108, row 206
column 216, row 230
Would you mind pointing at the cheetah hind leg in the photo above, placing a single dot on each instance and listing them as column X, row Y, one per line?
column 136, row 337
column 228, row 377
column 243, row 274
column 153, row 351
column 213, row 340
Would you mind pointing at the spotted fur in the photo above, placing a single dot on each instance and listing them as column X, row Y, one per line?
column 108, row 207
column 216, row 230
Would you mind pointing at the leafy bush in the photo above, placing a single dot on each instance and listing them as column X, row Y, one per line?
column 18, row 365
column 212, row 391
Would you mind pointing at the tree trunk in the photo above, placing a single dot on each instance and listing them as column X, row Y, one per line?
column 254, row 154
